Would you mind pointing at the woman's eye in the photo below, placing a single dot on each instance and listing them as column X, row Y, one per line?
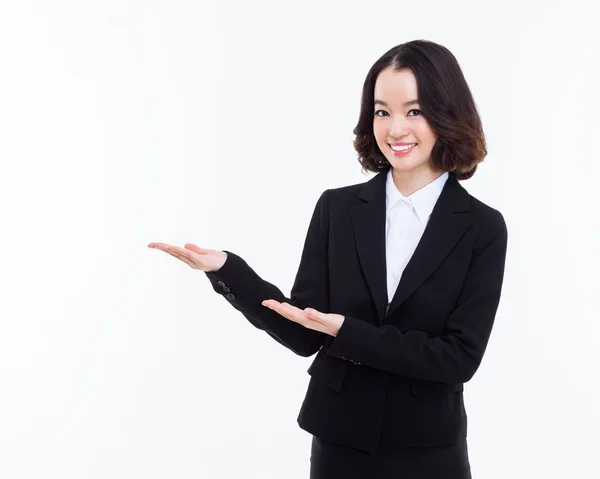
column 383, row 111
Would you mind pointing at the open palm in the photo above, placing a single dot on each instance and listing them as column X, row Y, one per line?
column 197, row 258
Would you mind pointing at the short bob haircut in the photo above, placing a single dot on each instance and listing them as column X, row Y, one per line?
column 445, row 101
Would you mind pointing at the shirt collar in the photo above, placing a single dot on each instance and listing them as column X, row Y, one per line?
column 423, row 200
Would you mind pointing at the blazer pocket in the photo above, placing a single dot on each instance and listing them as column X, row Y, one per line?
column 419, row 387
column 432, row 414
column 328, row 370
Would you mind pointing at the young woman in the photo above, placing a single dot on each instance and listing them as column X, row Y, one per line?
column 398, row 283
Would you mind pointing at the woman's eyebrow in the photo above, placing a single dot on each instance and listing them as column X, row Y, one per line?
column 410, row 102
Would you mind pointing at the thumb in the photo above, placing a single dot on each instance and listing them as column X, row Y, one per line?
column 312, row 313
column 195, row 249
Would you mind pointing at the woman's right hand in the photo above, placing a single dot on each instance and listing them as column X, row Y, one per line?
column 207, row 260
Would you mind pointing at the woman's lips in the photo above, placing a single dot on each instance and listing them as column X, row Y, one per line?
column 403, row 152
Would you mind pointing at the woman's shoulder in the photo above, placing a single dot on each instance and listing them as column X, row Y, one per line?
column 486, row 214
column 488, row 220
column 351, row 191
column 342, row 198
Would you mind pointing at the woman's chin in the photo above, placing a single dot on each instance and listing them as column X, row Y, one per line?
column 403, row 164
column 409, row 166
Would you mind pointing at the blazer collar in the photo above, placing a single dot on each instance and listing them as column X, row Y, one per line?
column 448, row 222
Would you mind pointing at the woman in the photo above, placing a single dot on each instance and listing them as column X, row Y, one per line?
column 398, row 284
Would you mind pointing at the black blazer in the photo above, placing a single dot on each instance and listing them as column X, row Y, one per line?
column 390, row 379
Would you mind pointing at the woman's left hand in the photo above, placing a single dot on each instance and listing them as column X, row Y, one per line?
column 310, row 318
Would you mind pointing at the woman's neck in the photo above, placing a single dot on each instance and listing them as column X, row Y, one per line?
column 407, row 182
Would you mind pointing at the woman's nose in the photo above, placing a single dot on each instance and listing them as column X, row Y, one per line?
column 399, row 128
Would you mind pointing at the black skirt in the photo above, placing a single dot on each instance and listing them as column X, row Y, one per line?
column 334, row 461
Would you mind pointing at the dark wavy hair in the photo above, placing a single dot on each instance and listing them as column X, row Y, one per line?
column 446, row 103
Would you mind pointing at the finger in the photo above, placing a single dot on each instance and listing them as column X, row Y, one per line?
column 287, row 308
column 295, row 314
column 175, row 254
column 314, row 315
column 181, row 251
column 277, row 307
column 195, row 249
column 184, row 252
column 171, row 248
column 271, row 303
column 299, row 316
column 158, row 245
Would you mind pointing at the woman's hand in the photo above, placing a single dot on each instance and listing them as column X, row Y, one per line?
column 309, row 318
column 197, row 258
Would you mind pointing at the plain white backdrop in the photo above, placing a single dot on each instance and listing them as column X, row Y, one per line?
column 128, row 122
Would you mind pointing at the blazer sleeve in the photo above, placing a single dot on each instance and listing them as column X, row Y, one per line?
column 454, row 356
column 245, row 290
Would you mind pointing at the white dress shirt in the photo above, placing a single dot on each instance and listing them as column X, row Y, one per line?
column 406, row 219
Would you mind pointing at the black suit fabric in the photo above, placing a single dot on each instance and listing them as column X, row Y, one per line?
column 389, row 380
column 329, row 460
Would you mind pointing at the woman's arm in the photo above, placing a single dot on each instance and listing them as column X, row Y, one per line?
column 245, row 290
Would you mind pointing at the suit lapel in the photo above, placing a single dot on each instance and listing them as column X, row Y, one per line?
column 448, row 222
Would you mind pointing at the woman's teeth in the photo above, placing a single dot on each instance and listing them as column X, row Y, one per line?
column 403, row 148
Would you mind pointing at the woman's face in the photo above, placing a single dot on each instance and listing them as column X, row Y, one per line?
column 397, row 120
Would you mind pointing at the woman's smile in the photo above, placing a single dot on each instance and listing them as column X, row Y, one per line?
column 403, row 150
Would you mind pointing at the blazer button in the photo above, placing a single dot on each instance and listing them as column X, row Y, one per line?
column 230, row 296
column 220, row 283
column 226, row 289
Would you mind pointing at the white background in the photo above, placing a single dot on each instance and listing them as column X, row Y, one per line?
column 127, row 122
